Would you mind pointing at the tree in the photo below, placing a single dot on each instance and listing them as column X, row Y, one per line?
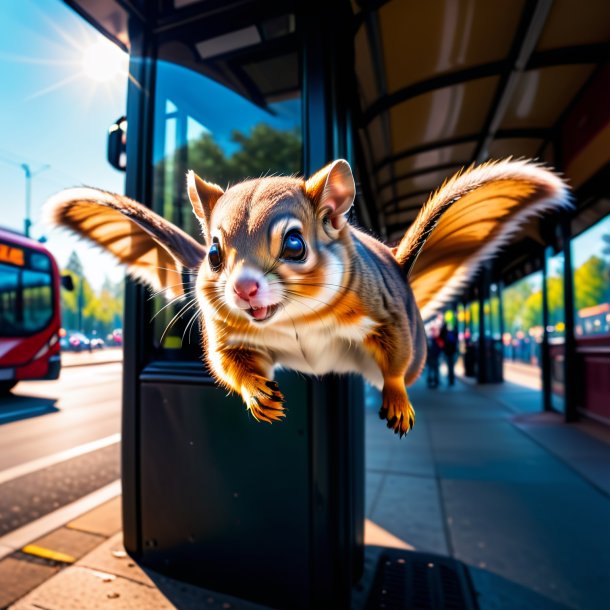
column 591, row 282
column 259, row 152
column 514, row 298
column 265, row 149
column 99, row 313
column 531, row 314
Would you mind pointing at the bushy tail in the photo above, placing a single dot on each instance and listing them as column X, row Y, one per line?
column 468, row 219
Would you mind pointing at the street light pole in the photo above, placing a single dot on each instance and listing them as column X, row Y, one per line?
column 29, row 174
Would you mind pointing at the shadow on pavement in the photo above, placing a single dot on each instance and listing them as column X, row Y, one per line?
column 500, row 593
column 14, row 408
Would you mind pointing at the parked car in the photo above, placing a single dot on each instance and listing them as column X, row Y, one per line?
column 115, row 337
column 97, row 343
column 78, row 342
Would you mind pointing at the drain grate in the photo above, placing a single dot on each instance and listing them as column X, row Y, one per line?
column 407, row 580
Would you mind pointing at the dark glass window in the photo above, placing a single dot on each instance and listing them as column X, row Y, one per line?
column 591, row 263
column 244, row 124
column 522, row 310
column 26, row 298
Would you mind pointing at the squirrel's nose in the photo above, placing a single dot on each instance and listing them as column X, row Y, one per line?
column 245, row 288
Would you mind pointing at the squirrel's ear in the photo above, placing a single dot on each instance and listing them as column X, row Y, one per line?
column 333, row 188
column 203, row 196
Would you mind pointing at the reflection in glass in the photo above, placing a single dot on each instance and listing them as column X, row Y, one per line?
column 522, row 312
column 225, row 138
column 556, row 297
column 556, row 328
column 591, row 264
column 26, row 300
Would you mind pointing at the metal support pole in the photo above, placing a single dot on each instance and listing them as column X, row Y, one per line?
column 500, row 289
column 482, row 361
column 570, row 364
column 28, row 195
column 546, row 355
column 28, row 199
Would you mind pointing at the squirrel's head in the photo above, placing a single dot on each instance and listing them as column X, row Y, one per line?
column 274, row 245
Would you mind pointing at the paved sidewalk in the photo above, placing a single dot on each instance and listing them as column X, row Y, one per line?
column 99, row 356
column 521, row 498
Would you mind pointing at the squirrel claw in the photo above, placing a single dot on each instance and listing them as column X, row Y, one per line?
column 397, row 410
column 263, row 399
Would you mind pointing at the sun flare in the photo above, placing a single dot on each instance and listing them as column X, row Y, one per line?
column 104, row 61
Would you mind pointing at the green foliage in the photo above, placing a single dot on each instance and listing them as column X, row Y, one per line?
column 531, row 314
column 514, row 299
column 591, row 283
column 262, row 150
column 100, row 313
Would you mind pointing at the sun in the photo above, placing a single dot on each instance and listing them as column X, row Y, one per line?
column 104, row 61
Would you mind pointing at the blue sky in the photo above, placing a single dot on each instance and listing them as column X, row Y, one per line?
column 52, row 111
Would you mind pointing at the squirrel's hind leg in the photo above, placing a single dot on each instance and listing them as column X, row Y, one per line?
column 391, row 356
column 396, row 407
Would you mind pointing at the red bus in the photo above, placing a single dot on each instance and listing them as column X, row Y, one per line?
column 30, row 314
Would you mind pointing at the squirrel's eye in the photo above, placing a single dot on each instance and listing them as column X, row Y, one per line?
column 214, row 257
column 294, row 247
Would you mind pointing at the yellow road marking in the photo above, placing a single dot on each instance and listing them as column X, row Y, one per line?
column 40, row 551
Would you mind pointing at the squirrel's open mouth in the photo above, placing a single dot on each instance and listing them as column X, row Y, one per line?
column 260, row 314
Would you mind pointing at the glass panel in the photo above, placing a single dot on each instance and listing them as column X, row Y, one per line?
column 26, row 299
column 591, row 261
column 556, row 328
column 471, row 338
column 522, row 309
column 495, row 322
column 204, row 126
column 474, row 308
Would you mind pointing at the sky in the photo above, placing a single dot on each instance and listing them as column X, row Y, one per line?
column 55, row 111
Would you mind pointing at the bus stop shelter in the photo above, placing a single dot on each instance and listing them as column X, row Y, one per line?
column 408, row 93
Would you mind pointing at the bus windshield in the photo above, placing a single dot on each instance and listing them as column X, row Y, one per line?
column 26, row 291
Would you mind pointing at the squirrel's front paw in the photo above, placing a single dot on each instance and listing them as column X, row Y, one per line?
column 396, row 408
column 263, row 399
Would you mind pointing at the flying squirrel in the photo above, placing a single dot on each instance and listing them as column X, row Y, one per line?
column 285, row 280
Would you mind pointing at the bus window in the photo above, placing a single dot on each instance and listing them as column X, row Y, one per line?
column 26, row 301
column 224, row 137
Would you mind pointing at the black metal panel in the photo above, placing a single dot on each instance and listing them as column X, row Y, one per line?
column 270, row 513
column 225, row 499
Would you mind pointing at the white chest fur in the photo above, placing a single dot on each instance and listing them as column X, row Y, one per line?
column 317, row 349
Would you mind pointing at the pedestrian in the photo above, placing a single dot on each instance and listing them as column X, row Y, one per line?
column 448, row 340
column 434, row 353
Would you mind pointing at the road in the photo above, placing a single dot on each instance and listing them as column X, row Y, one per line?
column 52, row 416
column 40, row 422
